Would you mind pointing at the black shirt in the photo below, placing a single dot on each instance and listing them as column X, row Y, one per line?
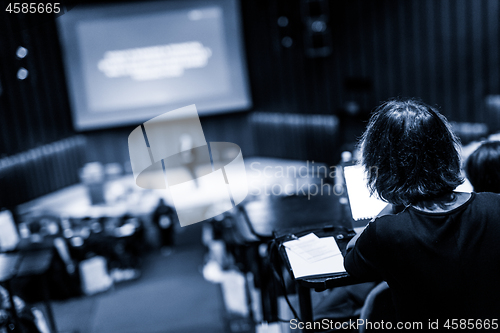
column 438, row 265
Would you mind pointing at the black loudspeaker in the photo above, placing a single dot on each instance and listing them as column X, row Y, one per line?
column 317, row 34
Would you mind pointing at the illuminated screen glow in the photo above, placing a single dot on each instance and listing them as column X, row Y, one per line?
column 126, row 63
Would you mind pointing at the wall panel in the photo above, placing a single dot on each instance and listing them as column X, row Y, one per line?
column 445, row 51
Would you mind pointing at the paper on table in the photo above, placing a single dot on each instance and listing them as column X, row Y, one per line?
column 8, row 232
column 333, row 263
column 311, row 247
column 363, row 206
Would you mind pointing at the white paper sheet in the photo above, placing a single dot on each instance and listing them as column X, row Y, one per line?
column 324, row 258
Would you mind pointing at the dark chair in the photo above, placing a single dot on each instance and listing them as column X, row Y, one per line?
column 378, row 306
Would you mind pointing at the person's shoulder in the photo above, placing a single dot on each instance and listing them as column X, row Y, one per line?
column 391, row 222
column 486, row 203
column 486, row 197
column 392, row 218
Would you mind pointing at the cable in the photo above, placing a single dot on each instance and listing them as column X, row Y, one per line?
column 279, row 277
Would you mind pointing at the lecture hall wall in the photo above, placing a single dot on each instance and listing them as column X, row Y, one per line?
column 445, row 51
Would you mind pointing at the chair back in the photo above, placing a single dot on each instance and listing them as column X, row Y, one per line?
column 378, row 306
column 312, row 137
column 41, row 170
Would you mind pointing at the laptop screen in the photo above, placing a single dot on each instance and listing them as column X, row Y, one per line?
column 363, row 206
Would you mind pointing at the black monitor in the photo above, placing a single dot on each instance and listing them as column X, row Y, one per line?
column 129, row 62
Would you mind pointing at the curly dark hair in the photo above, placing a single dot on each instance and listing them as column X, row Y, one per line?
column 413, row 150
column 483, row 167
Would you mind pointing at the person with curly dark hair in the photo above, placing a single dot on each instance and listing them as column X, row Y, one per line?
column 483, row 167
column 440, row 256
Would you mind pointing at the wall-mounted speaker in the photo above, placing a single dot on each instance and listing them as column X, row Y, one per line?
column 317, row 34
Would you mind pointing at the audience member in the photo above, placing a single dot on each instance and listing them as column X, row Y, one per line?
column 483, row 167
column 439, row 255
